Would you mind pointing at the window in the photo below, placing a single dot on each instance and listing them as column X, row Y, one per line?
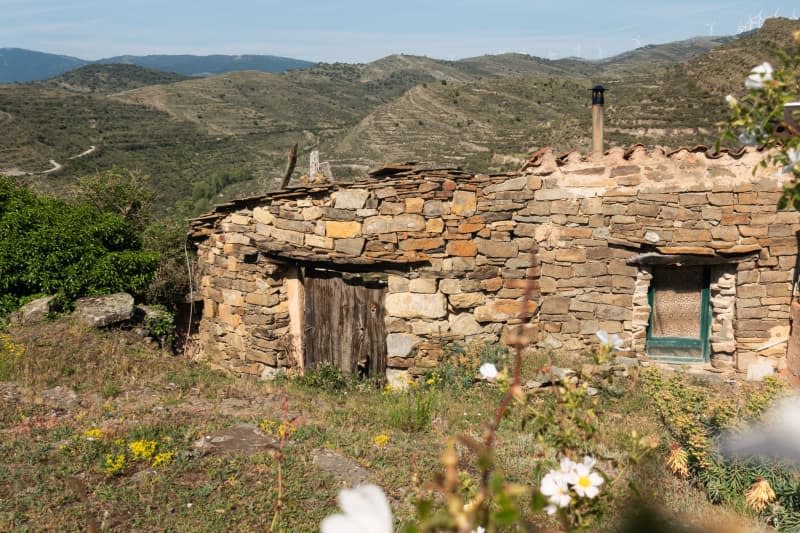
column 680, row 314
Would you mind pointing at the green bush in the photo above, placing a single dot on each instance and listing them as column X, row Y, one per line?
column 411, row 409
column 696, row 417
column 48, row 246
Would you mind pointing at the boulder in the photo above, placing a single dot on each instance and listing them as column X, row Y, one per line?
column 101, row 311
column 35, row 311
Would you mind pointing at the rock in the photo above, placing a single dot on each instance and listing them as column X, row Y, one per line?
column 239, row 439
column 35, row 310
column 104, row 311
column 758, row 371
column 348, row 472
column 556, row 374
column 464, row 203
column 59, row 398
column 9, row 392
column 532, row 385
column 626, row 362
column 400, row 344
column 464, row 324
column 412, row 305
column 351, row 198
column 143, row 476
column 397, row 379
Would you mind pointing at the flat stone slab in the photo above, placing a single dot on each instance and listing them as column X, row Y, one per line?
column 244, row 439
column 347, row 471
column 101, row 311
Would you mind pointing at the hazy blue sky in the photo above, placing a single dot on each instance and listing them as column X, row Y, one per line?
column 363, row 30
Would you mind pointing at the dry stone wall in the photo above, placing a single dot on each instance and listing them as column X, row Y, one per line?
column 457, row 252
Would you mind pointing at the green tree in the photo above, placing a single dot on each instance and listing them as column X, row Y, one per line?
column 50, row 246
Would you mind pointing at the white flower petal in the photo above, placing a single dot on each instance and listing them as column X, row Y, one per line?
column 760, row 74
column 592, row 492
column 488, row 370
column 616, row 342
column 602, row 335
column 366, row 509
column 339, row 523
column 551, row 509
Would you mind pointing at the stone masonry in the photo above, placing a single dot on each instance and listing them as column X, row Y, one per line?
column 457, row 251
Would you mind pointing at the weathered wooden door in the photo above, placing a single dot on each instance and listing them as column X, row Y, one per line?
column 344, row 323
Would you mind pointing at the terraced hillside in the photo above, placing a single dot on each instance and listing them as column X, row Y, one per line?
column 722, row 70
column 40, row 124
column 490, row 124
column 197, row 135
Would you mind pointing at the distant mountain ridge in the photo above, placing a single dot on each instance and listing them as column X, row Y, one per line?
column 203, row 139
column 18, row 65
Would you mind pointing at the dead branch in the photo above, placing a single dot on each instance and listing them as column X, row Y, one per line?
column 290, row 164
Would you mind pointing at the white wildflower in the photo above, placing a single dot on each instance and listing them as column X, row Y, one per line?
column 585, row 482
column 732, row 101
column 758, row 76
column 555, row 487
column 488, row 370
column 613, row 341
column 748, row 138
column 365, row 510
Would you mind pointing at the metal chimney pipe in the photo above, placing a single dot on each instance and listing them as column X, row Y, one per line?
column 597, row 119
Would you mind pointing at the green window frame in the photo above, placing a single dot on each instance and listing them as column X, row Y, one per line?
column 691, row 346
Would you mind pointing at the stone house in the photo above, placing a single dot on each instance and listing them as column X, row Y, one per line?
column 683, row 254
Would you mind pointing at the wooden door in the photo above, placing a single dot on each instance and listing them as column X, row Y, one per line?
column 344, row 323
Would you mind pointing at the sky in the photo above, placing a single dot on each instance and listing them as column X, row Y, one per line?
column 365, row 30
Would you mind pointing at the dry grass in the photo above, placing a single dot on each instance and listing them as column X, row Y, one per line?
column 53, row 479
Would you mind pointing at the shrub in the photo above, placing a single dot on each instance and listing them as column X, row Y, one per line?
column 412, row 409
column 696, row 417
column 48, row 246
column 327, row 377
column 460, row 365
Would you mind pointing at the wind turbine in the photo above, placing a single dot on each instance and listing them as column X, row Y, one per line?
column 710, row 29
column 637, row 41
column 599, row 53
column 578, row 50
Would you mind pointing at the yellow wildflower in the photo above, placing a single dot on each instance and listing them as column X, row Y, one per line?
column 268, row 426
column 93, row 434
column 114, row 464
column 142, row 449
column 381, row 440
column 285, row 429
column 162, row 458
column 759, row 495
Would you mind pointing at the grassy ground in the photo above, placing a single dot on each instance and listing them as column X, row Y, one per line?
column 60, row 469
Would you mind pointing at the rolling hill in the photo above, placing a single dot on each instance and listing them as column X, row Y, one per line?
column 198, row 135
column 191, row 65
column 19, row 65
column 111, row 78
